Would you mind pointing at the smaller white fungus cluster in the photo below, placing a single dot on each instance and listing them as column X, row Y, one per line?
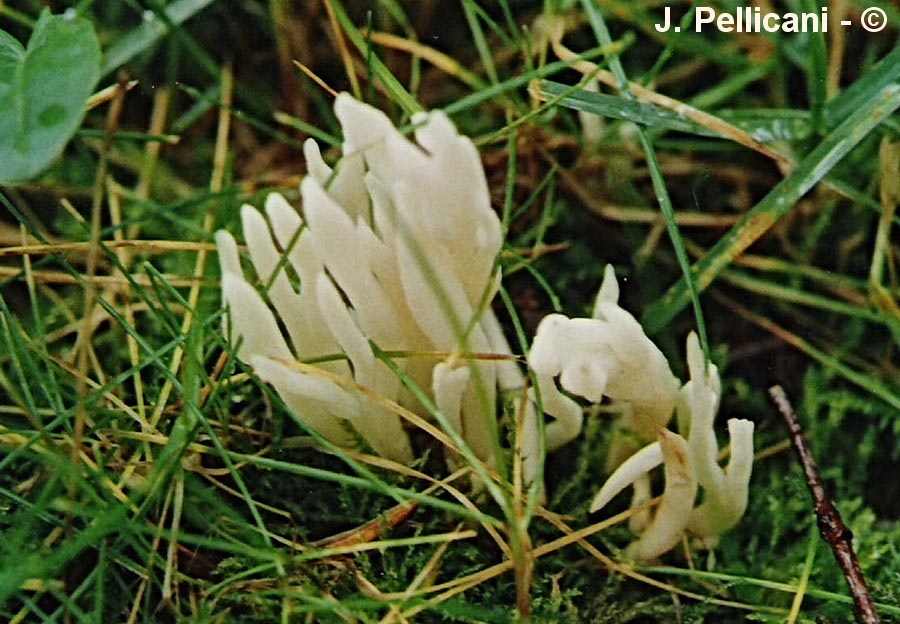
column 610, row 356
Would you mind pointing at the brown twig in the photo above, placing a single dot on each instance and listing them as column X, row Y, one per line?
column 831, row 526
column 371, row 530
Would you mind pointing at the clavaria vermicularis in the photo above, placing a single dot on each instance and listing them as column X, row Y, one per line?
column 397, row 246
column 610, row 356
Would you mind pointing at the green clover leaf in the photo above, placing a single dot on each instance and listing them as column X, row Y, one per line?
column 43, row 90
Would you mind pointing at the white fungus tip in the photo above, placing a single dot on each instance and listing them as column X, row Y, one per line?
column 631, row 469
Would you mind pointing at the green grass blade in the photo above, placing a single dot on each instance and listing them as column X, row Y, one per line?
column 150, row 32
column 775, row 205
column 398, row 91
column 765, row 126
column 817, row 70
column 732, row 579
column 618, row 108
column 873, row 81
column 659, row 184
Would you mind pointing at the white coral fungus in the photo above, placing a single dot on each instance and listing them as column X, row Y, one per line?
column 397, row 247
column 608, row 355
column 611, row 356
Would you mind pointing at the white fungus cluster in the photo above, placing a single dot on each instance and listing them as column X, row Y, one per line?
column 397, row 248
column 610, row 356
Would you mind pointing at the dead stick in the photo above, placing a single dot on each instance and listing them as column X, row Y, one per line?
column 831, row 526
column 371, row 530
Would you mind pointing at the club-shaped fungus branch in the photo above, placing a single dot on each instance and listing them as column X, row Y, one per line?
column 725, row 490
column 667, row 526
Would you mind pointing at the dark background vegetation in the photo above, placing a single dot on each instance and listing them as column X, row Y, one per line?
column 799, row 309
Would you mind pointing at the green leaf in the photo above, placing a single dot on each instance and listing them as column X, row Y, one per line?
column 43, row 91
